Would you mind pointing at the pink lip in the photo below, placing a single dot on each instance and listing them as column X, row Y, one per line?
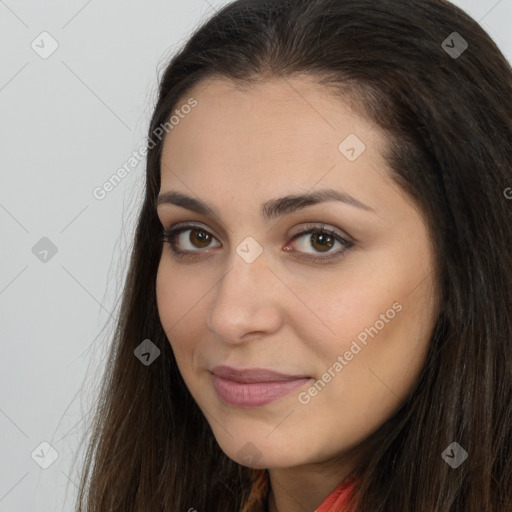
column 253, row 387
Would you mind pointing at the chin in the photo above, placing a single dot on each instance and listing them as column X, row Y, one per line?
column 262, row 454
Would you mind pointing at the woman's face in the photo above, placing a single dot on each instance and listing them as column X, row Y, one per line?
column 335, row 292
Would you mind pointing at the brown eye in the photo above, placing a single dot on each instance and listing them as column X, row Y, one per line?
column 322, row 241
column 199, row 238
column 317, row 240
column 196, row 240
column 310, row 244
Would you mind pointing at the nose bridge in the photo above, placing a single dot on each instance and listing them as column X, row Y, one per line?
column 244, row 282
column 245, row 299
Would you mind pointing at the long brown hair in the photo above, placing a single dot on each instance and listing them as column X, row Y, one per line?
column 448, row 118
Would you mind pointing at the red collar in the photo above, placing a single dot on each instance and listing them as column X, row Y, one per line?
column 336, row 501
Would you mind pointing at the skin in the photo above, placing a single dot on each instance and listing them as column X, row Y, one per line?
column 235, row 150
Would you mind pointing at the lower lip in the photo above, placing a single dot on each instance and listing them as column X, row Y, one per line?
column 253, row 394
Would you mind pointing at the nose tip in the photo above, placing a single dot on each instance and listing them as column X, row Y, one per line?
column 245, row 303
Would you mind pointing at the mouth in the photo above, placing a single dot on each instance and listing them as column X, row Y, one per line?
column 253, row 387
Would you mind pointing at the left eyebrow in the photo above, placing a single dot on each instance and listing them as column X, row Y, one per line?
column 270, row 209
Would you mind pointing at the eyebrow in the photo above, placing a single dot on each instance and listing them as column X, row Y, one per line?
column 270, row 209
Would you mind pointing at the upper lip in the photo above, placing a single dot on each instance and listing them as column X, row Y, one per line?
column 252, row 374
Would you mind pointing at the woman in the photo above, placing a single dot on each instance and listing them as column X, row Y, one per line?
column 318, row 309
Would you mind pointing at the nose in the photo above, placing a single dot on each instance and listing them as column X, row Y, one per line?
column 246, row 302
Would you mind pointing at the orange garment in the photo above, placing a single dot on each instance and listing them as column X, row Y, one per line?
column 335, row 502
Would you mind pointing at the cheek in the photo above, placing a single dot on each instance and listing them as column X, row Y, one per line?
column 345, row 309
column 375, row 357
column 387, row 295
column 179, row 303
column 379, row 323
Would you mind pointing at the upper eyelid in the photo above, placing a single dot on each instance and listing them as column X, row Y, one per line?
column 183, row 226
column 304, row 230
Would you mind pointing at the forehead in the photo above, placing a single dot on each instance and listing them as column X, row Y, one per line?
column 270, row 106
column 266, row 135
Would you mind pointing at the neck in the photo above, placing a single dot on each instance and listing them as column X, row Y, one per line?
column 304, row 488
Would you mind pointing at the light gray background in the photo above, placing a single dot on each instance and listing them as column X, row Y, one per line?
column 68, row 122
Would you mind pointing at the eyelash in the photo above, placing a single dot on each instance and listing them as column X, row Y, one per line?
column 170, row 235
